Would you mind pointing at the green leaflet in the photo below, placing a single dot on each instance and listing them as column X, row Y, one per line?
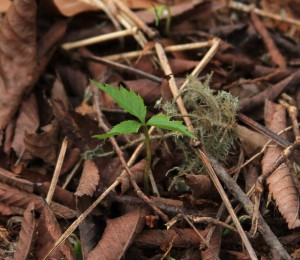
column 163, row 122
column 126, row 99
column 125, row 127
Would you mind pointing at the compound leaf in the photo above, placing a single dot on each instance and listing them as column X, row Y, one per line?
column 127, row 99
column 164, row 122
column 125, row 127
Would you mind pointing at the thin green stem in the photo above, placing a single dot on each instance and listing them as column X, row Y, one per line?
column 148, row 159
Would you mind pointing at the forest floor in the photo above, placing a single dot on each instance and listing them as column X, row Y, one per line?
column 197, row 154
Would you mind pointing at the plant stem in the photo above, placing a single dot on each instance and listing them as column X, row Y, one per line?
column 148, row 159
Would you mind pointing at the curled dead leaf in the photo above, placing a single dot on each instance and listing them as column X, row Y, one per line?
column 118, row 235
column 89, row 179
column 49, row 231
column 26, row 234
column 17, row 57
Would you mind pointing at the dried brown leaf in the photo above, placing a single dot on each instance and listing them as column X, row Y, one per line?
column 156, row 237
column 4, row 5
column 49, row 231
column 11, row 179
column 214, row 243
column 44, row 145
column 201, row 185
column 118, row 235
column 17, row 56
column 27, row 122
column 281, row 183
column 17, row 198
column 89, row 179
column 26, row 234
column 251, row 140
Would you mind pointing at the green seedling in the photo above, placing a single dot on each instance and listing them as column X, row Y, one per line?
column 134, row 105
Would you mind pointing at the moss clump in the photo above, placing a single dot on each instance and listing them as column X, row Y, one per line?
column 213, row 116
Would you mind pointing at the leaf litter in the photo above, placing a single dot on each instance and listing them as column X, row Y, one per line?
column 46, row 96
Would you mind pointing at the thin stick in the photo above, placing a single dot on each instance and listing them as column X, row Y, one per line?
column 171, row 48
column 248, row 8
column 79, row 220
column 150, row 32
column 200, row 236
column 100, row 38
column 208, row 56
column 57, row 170
column 72, row 173
column 276, row 56
column 122, row 67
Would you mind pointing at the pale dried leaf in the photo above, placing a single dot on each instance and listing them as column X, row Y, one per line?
column 49, row 231
column 4, row 5
column 118, row 235
column 44, row 145
column 27, row 122
column 17, row 56
column 281, row 183
column 251, row 140
column 26, row 234
column 17, row 198
column 89, row 179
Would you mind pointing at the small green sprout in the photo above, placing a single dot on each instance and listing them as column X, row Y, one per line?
column 134, row 104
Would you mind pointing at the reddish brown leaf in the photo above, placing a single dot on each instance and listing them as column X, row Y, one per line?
column 9, row 210
column 89, row 179
column 250, row 140
column 60, row 195
column 214, row 243
column 118, row 235
column 17, row 198
column 4, row 5
column 17, row 56
column 44, row 145
column 26, row 234
column 201, row 185
column 49, row 231
column 11, row 179
column 156, row 237
column 27, row 122
column 281, row 183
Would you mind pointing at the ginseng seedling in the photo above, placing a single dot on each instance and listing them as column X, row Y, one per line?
column 134, row 105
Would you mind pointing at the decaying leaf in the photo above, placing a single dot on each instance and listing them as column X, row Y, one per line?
column 44, row 145
column 214, row 243
column 26, row 235
column 281, row 183
column 17, row 56
column 201, row 185
column 17, row 198
column 118, row 235
column 27, row 122
column 49, row 231
column 89, row 179
column 4, row 5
